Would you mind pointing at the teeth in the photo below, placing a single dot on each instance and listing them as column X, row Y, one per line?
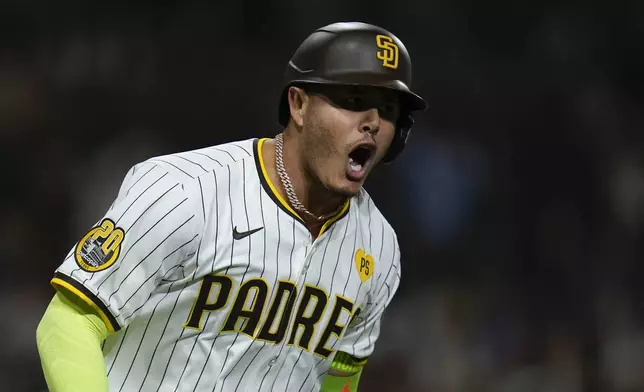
column 355, row 166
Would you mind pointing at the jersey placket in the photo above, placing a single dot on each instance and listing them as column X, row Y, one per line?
column 275, row 361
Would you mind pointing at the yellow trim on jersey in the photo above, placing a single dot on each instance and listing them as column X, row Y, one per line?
column 284, row 203
column 62, row 283
column 270, row 183
column 335, row 218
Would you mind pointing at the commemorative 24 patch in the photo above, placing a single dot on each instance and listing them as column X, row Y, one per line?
column 100, row 247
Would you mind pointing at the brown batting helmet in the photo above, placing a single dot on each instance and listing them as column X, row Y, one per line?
column 355, row 54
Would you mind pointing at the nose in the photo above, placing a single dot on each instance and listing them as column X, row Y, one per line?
column 371, row 121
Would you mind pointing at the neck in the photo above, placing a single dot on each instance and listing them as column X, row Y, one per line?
column 310, row 192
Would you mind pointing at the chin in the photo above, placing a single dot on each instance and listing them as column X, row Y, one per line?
column 343, row 185
column 347, row 189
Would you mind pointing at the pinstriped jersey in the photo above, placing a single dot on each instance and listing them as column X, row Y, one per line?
column 210, row 281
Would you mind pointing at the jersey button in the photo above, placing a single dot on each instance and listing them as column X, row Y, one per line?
column 272, row 362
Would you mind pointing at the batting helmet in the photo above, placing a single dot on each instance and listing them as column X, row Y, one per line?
column 355, row 54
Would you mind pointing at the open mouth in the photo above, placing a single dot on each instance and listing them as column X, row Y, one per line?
column 359, row 157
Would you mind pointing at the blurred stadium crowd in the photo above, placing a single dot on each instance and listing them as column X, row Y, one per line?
column 519, row 203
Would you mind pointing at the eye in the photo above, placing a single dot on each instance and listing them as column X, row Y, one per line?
column 386, row 109
column 353, row 102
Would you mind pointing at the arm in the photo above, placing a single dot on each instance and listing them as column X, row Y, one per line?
column 69, row 338
column 111, row 272
column 119, row 262
column 344, row 374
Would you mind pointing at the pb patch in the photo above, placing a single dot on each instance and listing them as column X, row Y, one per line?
column 100, row 247
column 365, row 264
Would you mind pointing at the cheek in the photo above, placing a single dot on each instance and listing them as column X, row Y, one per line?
column 342, row 122
column 335, row 126
column 320, row 138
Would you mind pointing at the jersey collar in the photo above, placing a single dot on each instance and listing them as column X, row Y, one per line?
column 271, row 190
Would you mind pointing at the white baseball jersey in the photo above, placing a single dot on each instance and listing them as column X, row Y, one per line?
column 211, row 282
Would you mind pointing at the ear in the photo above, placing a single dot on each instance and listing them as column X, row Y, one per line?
column 298, row 102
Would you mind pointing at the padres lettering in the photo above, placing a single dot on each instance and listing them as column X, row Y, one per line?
column 100, row 247
column 389, row 52
column 247, row 309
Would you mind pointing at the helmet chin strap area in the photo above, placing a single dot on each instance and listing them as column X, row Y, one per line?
column 403, row 129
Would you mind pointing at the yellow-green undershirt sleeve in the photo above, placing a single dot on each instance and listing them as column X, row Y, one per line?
column 350, row 367
column 69, row 338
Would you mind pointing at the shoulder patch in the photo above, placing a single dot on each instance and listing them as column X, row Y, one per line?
column 365, row 264
column 100, row 247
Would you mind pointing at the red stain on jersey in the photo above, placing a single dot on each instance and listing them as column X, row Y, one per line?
column 346, row 387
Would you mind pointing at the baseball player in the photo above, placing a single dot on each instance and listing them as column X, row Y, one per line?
column 256, row 265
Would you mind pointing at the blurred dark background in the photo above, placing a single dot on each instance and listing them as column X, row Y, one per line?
column 519, row 203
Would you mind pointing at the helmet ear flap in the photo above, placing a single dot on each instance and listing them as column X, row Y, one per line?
column 403, row 129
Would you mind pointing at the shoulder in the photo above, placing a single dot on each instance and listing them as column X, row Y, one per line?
column 185, row 172
column 367, row 209
column 375, row 221
column 383, row 243
column 186, row 166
